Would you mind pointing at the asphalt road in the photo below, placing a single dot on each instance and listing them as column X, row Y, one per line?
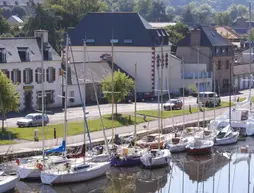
column 76, row 114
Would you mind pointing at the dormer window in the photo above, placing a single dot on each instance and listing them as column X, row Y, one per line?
column 47, row 54
column 127, row 41
column 114, row 41
column 2, row 55
column 90, row 41
column 5, row 3
column 23, row 54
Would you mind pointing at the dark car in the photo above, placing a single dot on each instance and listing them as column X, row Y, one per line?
column 173, row 104
column 145, row 96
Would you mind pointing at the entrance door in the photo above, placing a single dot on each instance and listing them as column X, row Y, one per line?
column 28, row 100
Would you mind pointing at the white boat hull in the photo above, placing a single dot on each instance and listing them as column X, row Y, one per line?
column 228, row 140
column 29, row 173
column 59, row 177
column 8, row 183
column 175, row 148
column 162, row 159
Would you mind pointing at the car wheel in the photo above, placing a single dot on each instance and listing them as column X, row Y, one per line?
column 30, row 125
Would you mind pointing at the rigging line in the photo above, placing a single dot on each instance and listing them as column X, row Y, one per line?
column 81, row 98
column 170, row 178
column 232, row 188
column 219, row 182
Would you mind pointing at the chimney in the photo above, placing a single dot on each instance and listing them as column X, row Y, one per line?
column 195, row 37
column 41, row 33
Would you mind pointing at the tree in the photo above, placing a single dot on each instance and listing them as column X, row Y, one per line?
column 19, row 11
column 4, row 26
column 9, row 97
column 125, row 5
column 177, row 32
column 122, row 86
column 158, row 12
column 6, row 12
column 223, row 18
column 144, row 8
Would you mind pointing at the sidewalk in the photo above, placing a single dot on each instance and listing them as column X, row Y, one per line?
column 98, row 135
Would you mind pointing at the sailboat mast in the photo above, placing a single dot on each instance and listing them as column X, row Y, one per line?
column 112, row 89
column 214, row 89
column 42, row 102
column 135, row 104
column 84, row 91
column 158, row 93
column 161, row 85
column 250, row 34
column 102, row 123
column 183, row 96
column 198, row 83
column 66, row 89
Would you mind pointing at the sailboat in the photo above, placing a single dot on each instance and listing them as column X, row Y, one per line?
column 226, row 136
column 77, row 170
column 200, row 145
column 158, row 157
column 127, row 156
column 31, row 167
column 7, row 182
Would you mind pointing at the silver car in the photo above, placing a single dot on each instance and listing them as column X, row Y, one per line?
column 33, row 119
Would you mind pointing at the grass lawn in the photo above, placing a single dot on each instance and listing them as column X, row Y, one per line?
column 243, row 98
column 74, row 128
column 166, row 114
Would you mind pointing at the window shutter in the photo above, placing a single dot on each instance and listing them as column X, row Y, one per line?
column 27, row 55
column 37, row 75
column 53, row 74
column 47, row 74
column 19, row 76
column 24, row 76
column 43, row 75
column 12, row 78
column 31, row 77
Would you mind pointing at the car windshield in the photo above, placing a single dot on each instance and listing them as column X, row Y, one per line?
column 172, row 101
column 29, row 117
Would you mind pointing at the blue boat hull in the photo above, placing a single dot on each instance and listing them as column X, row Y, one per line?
column 125, row 162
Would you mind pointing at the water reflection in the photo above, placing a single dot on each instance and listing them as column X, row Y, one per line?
column 216, row 173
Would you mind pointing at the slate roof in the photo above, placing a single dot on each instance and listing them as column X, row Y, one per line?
column 99, row 69
column 102, row 27
column 20, row 2
column 209, row 37
column 11, row 46
column 16, row 18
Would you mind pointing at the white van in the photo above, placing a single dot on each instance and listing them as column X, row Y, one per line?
column 208, row 98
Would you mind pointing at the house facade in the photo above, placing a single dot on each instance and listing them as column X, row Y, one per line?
column 128, row 39
column 20, row 60
column 205, row 46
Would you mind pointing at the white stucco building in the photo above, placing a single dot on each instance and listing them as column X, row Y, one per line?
column 134, row 42
column 20, row 60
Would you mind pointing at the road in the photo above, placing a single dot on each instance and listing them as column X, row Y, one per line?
column 76, row 114
column 98, row 135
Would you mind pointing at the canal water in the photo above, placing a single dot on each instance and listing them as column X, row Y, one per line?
column 226, row 170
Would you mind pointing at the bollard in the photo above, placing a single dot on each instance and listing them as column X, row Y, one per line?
column 54, row 133
column 36, row 136
column 129, row 118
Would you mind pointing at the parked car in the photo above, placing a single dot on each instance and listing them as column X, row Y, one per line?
column 33, row 119
column 145, row 96
column 173, row 104
column 208, row 99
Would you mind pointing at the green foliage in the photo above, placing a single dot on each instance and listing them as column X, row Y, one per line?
column 6, row 12
column 223, row 18
column 9, row 97
column 4, row 26
column 6, row 35
column 122, row 86
column 177, row 32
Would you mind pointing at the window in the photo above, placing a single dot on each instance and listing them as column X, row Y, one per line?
column 49, row 96
column 23, row 54
column 5, row 3
column 219, row 65
column 90, row 41
column 225, row 83
column 6, row 72
column 115, row 41
column 51, row 74
column 127, row 41
column 16, row 76
column 28, row 76
column 47, row 54
column 217, row 51
column 2, row 55
column 39, row 75
column 227, row 64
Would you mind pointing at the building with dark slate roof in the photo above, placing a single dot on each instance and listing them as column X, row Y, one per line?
column 20, row 60
column 133, row 41
column 204, row 45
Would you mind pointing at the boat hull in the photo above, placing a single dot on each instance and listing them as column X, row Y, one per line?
column 227, row 141
column 55, row 177
column 199, row 151
column 29, row 173
column 125, row 162
column 8, row 183
column 150, row 161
